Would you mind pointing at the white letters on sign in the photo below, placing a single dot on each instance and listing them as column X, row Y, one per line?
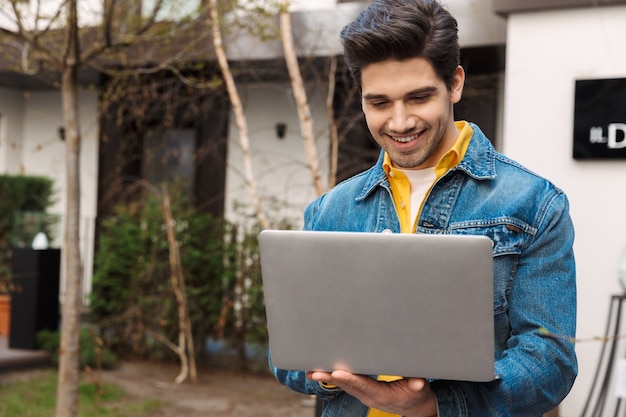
column 613, row 139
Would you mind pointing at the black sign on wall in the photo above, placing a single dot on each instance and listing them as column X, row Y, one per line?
column 600, row 119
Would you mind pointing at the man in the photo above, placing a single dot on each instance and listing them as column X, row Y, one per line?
column 435, row 175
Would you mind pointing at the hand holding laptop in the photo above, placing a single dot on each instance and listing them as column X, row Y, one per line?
column 409, row 396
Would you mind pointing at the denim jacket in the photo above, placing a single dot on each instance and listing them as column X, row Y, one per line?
column 534, row 306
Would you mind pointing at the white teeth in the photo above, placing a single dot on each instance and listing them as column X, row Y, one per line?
column 405, row 139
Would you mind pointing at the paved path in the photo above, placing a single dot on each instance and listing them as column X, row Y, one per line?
column 16, row 358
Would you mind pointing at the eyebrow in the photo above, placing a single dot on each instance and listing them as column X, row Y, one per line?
column 426, row 90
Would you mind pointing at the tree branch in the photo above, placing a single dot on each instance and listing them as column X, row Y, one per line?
column 152, row 19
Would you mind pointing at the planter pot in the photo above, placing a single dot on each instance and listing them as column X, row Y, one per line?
column 5, row 314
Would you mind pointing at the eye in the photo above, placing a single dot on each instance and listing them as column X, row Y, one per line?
column 419, row 99
column 378, row 104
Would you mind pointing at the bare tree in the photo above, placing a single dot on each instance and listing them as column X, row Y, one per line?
column 334, row 134
column 185, row 348
column 300, row 96
column 240, row 118
column 39, row 29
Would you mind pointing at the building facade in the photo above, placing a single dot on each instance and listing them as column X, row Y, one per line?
column 523, row 60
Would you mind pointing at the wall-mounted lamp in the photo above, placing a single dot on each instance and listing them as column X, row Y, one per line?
column 281, row 129
column 61, row 132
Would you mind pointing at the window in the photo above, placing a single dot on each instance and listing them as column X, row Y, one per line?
column 168, row 157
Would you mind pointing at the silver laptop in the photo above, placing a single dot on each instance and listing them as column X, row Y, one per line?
column 411, row 305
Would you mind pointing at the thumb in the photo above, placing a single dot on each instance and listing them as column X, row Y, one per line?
column 417, row 384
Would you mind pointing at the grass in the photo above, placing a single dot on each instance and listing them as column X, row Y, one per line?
column 37, row 398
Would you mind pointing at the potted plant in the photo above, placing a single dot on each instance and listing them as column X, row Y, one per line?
column 5, row 313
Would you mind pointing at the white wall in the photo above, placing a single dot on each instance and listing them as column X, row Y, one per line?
column 279, row 164
column 546, row 53
column 43, row 153
column 11, row 121
column 478, row 26
column 297, row 5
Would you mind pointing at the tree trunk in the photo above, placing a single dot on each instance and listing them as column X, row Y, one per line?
column 299, row 94
column 334, row 135
column 69, row 372
column 186, row 350
column 240, row 118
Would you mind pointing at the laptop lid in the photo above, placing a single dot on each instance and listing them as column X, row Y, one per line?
column 412, row 305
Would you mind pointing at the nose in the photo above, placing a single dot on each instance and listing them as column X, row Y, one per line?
column 401, row 120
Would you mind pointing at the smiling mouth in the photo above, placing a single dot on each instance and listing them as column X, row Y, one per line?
column 406, row 139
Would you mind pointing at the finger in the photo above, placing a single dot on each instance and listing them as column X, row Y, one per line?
column 416, row 384
column 346, row 376
column 320, row 376
column 351, row 382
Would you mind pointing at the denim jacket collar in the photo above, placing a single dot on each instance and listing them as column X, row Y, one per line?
column 479, row 162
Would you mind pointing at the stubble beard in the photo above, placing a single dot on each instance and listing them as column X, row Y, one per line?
column 418, row 157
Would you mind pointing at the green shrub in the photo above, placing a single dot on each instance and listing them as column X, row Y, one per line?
column 132, row 297
column 23, row 203
column 132, row 301
column 119, row 257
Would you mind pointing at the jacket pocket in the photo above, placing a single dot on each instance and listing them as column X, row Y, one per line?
column 509, row 237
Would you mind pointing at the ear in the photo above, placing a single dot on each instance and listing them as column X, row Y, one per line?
column 458, row 81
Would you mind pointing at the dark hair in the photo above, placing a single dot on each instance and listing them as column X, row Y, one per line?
column 400, row 30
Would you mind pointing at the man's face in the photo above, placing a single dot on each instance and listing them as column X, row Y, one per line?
column 409, row 110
